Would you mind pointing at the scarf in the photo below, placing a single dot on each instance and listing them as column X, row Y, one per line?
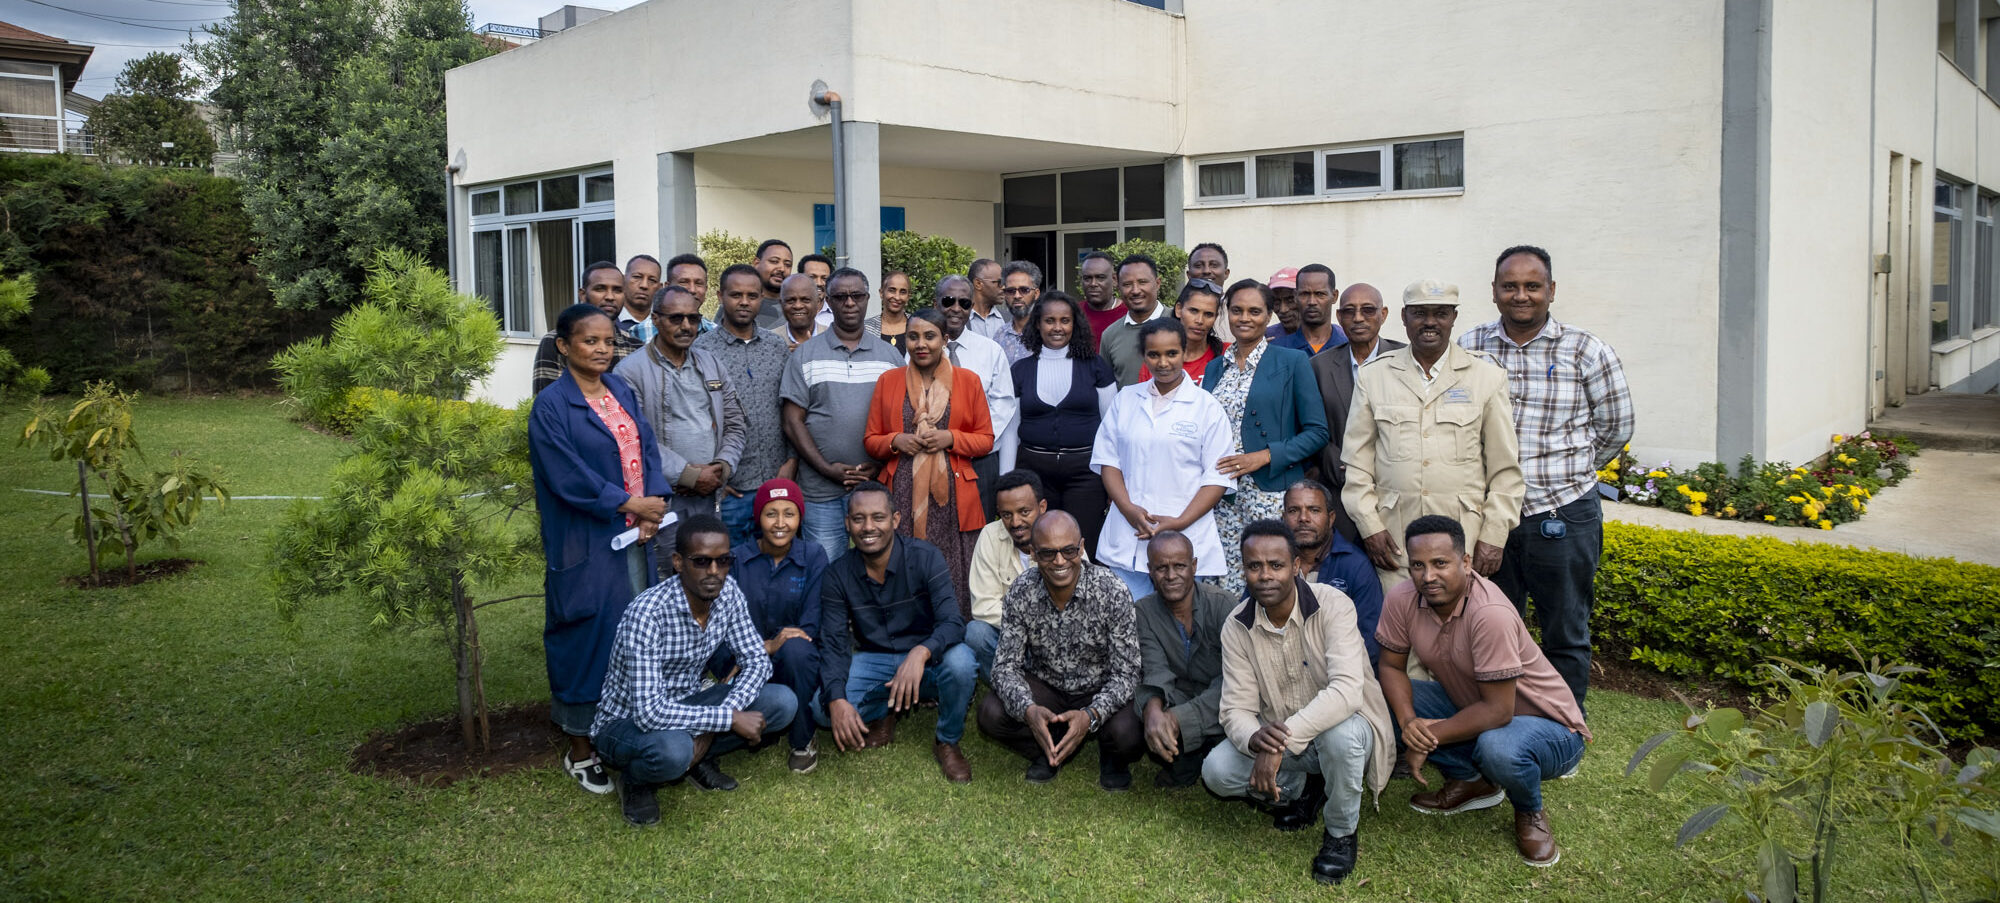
column 930, row 472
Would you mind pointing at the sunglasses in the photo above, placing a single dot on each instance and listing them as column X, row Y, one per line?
column 1018, row 290
column 1205, row 286
column 705, row 563
column 947, row 302
column 678, row 319
column 848, row 296
column 1049, row 556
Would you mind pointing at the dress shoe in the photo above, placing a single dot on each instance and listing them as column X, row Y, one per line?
column 640, row 802
column 708, row 776
column 952, row 762
column 1040, row 771
column 1183, row 771
column 1303, row 812
column 881, row 733
column 1336, row 857
column 1458, row 796
column 1115, row 777
column 1531, row 835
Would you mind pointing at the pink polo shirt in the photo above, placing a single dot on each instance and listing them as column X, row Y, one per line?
column 1484, row 640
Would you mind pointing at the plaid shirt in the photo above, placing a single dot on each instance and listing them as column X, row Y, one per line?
column 549, row 363
column 659, row 655
column 1572, row 410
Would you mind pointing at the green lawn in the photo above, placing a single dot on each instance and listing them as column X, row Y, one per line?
column 176, row 741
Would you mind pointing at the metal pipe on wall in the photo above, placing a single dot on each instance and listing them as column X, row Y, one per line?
column 823, row 97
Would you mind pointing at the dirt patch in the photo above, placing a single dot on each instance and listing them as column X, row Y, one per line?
column 114, row 575
column 431, row 753
column 1613, row 669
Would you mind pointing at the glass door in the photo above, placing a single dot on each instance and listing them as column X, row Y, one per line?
column 1077, row 244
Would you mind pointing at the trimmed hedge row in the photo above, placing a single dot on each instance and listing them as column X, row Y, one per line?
column 1693, row 604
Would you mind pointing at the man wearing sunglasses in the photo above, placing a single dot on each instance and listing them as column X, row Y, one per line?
column 1020, row 288
column 1068, row 662
column 694, row 413
column 982, row 356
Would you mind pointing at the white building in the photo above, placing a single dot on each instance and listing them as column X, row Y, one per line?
column 1779, row 211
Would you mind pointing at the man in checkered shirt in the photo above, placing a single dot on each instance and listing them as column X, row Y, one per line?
column 1573, row 414
column 656, row 722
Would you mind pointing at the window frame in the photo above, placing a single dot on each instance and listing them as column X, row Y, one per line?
column 1385, row 150
column 1057, row 228
column 586, row 211
column 54, row 122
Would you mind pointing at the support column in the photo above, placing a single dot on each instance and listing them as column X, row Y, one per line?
column 677, row 225
column 862, row 212
column 1744, row 281
column 1175, row 200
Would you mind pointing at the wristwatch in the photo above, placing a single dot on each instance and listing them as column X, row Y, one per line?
column 1095, row 721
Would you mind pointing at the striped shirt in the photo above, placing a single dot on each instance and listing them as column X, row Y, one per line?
column 834, row 384
column 1572, row 410
column 660, row 652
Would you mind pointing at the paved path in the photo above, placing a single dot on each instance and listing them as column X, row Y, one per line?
column 1949, row 507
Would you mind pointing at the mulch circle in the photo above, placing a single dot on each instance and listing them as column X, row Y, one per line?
column 432, row 753
column 1611, row 669
column 114, row 574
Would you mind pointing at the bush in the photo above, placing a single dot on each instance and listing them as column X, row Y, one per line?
column 1172, row 261
column 927, row 259
column 413, row 335
column 720, row 250
column 1719, row 606
column 142, row 277
column 1836, row 492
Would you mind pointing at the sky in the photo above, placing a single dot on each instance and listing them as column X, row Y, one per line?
column 122, row 30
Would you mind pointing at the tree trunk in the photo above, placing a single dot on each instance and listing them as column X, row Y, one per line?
column 473, row 726
column 131, row 545
column 89, row 525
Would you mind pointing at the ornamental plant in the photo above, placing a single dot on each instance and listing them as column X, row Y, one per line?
column 1773, row 492
column 1172, row 261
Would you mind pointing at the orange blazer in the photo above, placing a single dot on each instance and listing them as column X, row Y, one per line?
column 971, row 426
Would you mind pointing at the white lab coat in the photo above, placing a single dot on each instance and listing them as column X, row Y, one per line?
column 1165, row 458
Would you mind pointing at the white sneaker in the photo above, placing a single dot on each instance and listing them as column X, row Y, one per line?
column 589, row 774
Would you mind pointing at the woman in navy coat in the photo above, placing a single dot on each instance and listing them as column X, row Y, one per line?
column 1273, row 402
column 597, row 475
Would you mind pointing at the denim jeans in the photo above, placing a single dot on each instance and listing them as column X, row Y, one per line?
column 984, row 641
column 573, row 718
column 1139, row 582
column 794, row 665
column 1339, row 755
column 656, row 757
column 1559, row 574
column 1518, row 756
column 735, row 514
column 826, row 523
column 950, row 682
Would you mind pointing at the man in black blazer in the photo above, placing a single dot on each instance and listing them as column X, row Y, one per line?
column 1361, row 313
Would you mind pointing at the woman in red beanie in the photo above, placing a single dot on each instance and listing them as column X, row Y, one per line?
column 780, row 577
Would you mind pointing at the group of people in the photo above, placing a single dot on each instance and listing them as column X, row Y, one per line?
column 1278, row 564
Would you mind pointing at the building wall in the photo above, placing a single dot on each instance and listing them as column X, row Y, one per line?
column 772, row 197
column 1603, row 151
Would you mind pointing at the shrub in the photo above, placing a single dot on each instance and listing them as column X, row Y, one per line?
column 16, row 295
column 1773, row 492
column 1172, row 261
column 413, row 335
column 926, row 258
column 1718, row 606
column 720, row 250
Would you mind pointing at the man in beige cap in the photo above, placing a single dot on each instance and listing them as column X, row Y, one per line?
column 1431, row 431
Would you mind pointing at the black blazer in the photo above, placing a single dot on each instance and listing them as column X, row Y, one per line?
column 1335, row 373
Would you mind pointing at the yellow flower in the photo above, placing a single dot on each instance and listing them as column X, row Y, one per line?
column 1826, row 525
column 1826, row 491
column 1796, row 499
column 1729, row 511
column 1699, row 496
column 1838, row 438
column 1657, row 474
column 1695, row 509
column 1770, row 518
column 1811, row 511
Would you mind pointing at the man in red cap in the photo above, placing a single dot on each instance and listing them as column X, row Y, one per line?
column 1284, row 287
column 780, row 579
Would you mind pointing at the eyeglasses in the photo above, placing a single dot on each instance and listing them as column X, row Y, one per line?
column 704, row 563
column 1049, row 556
column 678, row 319
column 1367, row 311
column 1018, row 290
column 950, row 302
column 848, row 296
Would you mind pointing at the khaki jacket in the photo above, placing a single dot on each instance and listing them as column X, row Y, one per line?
column 1448, row 448
column 1311, row 676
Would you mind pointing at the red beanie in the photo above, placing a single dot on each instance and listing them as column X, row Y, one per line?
column 774, row 491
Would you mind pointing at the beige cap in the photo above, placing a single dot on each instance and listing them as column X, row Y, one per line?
column 1430, row 291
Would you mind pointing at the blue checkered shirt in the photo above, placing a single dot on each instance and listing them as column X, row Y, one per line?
column 659, row 655
column 1572, row 410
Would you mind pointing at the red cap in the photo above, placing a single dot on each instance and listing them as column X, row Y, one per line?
column 777, row 491
column 1285, row 278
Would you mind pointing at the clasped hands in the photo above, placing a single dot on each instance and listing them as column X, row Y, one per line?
column 924, row 440
column 1041, row 718
column 647, row 511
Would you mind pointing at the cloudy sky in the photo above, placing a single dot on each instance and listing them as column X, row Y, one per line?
column 124, row 29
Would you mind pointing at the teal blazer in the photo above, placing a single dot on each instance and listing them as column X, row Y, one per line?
column 1283, row 413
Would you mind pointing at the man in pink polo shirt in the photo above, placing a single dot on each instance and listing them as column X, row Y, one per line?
column 1498, row 720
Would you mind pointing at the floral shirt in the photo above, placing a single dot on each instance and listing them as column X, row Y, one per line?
column 1233, row 391
column 627, row 433
column 1090, row 645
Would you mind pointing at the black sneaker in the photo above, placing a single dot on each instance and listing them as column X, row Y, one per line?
column 641, row 802
column 1115, row 777
column 1183, row 771
column 708, row 776
column 1336, row 857
column 1040, row 771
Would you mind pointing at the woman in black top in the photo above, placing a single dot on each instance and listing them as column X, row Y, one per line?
column 1064, row 387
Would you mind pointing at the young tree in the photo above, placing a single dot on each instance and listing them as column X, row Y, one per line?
column 151, row 118
column 15, row 297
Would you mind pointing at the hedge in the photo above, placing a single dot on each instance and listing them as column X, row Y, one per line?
column 1698, row 605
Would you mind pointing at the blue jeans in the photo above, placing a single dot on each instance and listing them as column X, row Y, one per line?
column 735, row 514
column 826, row 523
column 1560, row 574
column 984, row 641
column 656, row 757
column 950, row 682
column 1518, row 757
column 1139, row 582
column 794, row 665
column 1339, row 755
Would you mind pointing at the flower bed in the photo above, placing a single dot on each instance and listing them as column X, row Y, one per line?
column 1835, row 491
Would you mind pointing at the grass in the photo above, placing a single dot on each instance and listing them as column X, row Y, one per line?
column 176, row 741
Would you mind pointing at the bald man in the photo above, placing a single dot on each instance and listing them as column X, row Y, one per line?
column 1361, row 314
column 799, row 303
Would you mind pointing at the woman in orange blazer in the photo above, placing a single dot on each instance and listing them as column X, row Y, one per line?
column 927, row 422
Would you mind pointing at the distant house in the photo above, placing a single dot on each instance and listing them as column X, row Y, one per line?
column 39, row 111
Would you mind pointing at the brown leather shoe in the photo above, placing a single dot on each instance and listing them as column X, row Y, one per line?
column 881, row 733
column 952, row 762
column 1458, row 796
column 1531, row 835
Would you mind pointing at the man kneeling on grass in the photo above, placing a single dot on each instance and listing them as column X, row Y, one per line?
column 1499, row 720
column 1308, row 727
column 655, row 723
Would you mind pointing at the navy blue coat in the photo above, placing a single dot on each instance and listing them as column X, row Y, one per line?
column 1282, row 413
column 579, row 485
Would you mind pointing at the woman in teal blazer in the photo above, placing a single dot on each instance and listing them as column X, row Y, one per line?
column 1273, row 402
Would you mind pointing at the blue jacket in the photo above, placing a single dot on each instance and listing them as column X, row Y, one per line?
column 1297, row 341
column 579, row 485
column 1283, row 413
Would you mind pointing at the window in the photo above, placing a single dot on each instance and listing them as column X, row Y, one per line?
column 522, row 199
column 1982, row 268
column 1947, row 230
column 1146, row 192
column 559, row 193
column 1431, row 164
column 485, row 203
column 1029, row 200
column 1054, row 218
column 1090, row 196
column 530, row 237
column 824, row 229
column 30, row 107
column 597, row 188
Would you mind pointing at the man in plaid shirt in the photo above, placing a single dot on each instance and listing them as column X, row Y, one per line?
column 1573, row 414
column 655, row 721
